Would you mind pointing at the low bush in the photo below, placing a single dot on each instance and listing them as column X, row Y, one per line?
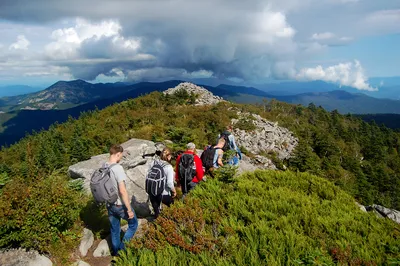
column 266, row 218
column 37, row 214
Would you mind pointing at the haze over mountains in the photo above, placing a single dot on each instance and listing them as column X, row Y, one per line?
column 35, row 111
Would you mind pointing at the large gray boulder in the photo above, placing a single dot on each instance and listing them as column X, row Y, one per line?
column 21, row 257
column 136, row 159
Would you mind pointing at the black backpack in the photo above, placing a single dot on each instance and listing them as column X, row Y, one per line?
column 207, row 157
column 186, row 171
column 156, row 179
column 227, row 145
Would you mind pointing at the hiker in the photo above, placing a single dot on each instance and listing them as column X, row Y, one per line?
column 230, row 144
column 122, row 207
column 212, row 157
column 189, row 169
column 160, row 181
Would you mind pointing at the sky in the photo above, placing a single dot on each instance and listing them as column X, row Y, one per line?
column 253, row 41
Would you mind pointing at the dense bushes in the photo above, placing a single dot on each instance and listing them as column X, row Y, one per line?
column 34, row 215
column 266, row 218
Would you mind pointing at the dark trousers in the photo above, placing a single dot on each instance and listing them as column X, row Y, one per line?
column 156, row 202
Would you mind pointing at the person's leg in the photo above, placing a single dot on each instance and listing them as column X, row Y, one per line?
column 115, row 229
column 235, row 160
column 167, row 200
column 191, row 186
column 156, row 203
column 132, row 227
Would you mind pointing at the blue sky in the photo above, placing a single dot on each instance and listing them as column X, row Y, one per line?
column 255, row 41
column 380, row 55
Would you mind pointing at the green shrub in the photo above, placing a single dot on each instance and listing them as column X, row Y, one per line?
column 246, row 123
column 266, row 218
column 34, row 215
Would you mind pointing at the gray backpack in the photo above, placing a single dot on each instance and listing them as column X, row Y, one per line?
column 104, row 186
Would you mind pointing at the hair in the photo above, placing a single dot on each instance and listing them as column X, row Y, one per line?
column 191, row 146
column 114, row 149
column 221, row 141
column 165, row 153
column 229, row 127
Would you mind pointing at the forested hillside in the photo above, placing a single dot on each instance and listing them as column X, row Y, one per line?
column 363, row 159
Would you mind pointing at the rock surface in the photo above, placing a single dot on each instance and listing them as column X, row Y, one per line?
column 136, row 158
column 103, row 249
column 86, row 242
column 267, row 137
column 205, row 97
column 81, row 263
column 21, row 257
column 381, row 211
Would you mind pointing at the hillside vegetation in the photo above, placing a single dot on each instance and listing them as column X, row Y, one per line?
column 40, row 209
column 266, row 218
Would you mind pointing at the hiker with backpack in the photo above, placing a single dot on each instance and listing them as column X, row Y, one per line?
column 230, row 144
column 160, row 181
column 212, row 156
column 189, row 169
column 108, row 186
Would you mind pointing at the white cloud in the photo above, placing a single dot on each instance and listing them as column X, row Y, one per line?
column 329, row 38
column 68, row 41
column 323, row 36
column 21, row 44
column 346, row 74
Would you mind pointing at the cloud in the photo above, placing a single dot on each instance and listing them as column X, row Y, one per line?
column 70, row 42
column 329, row 38
column 253, row 40
column 346, row 74
column 383, row 21
column 21, row 44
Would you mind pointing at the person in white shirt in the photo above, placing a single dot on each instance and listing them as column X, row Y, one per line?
column 122, row 208
column 169, row 193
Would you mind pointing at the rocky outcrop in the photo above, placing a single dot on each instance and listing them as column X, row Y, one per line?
column 381, row 211
column 267, row 137
column 205, row 97
column 137, row 156
column 21, row 257
column 86, row 242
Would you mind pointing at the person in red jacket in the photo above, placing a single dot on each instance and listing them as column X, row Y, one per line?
column 189, row 169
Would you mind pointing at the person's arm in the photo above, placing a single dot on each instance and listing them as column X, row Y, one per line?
column 232, row 139
column 199, row 170
column 177, row 170
column 170, row 180
column 121, row 177
column 220, row 155
column 125, row 198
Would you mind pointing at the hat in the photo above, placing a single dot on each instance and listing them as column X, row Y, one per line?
column 191, row 146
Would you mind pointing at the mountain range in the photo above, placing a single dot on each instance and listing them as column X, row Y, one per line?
column 22, row 114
